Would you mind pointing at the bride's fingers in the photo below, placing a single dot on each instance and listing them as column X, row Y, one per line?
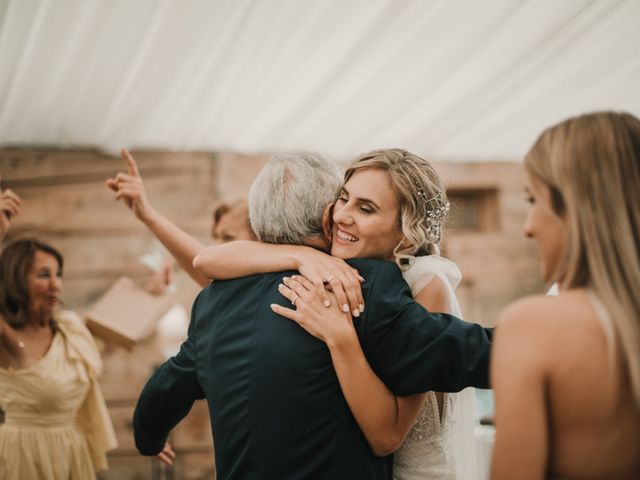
column 300, row 290
column 311, row 286
column 304, row 282
column 351, row 287
column 297, row 286
column 287, row 293
column 286, row 312
column 336, row 284
column 356, row 290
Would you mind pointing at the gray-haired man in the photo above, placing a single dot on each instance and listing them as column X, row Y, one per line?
column 276, row 406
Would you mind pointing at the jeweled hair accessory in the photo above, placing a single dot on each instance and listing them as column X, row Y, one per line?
column 437, row 210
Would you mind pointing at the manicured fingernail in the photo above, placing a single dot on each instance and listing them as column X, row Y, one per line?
column 285, row 279
column 356, row 313
column 327, row 303
column 361, row 307
column 273, row 305
column 280, row 286
column 345, row 308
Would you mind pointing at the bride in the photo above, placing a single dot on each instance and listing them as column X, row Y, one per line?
column 392, row 206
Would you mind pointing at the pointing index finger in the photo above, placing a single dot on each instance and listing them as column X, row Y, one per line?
column 131, row 163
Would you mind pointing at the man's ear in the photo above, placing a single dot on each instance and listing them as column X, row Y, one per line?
column 327, row 222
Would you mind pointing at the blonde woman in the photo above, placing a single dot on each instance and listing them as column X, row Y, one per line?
column 391, row 206
column 566, row 369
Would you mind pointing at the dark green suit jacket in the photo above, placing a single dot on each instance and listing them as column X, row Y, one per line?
column 277, row 411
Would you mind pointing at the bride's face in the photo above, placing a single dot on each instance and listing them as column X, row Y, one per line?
column 366, row 220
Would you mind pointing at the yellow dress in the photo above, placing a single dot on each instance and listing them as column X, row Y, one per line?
column 56, row 421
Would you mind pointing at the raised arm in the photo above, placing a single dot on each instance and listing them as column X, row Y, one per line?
column 251, row 257
column 9, row 208
column 385, row 419
column 129, row 187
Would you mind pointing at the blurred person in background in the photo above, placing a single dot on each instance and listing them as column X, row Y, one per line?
column 56, row 424
column 56, row 421
column 230, row 222
column 566, row 368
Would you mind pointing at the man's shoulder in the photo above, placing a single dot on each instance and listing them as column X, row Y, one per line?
column 249, row 288
column 371, row 268
column 244, row 282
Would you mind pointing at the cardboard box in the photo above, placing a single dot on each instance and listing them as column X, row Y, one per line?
column 126, row 314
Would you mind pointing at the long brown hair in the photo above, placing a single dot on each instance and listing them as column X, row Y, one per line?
column 591, row 164
column 15, row 262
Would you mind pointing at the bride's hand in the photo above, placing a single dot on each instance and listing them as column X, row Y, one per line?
column 326, row 324
column 338, row 276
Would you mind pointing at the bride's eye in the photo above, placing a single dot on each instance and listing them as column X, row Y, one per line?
column 365, row 209
column 342, row 199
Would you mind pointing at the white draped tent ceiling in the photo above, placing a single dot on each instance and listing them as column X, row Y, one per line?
column 454, row 80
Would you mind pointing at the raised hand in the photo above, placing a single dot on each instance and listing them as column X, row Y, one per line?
column 326, row 324
column 9, row 207
column 130, row 188
column 338, row 276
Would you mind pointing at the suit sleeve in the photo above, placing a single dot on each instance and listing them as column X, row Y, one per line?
column 413, row 350
column 167, row 397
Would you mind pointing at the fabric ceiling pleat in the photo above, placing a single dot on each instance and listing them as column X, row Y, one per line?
column 462, row 80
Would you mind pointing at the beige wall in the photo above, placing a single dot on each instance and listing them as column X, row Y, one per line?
column 498, row 264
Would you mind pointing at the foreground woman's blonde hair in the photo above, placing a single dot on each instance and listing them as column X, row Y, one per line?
column 591, row 165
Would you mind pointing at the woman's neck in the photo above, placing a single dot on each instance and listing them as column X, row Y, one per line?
column 40, row 320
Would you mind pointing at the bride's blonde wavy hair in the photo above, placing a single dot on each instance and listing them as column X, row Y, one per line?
column 591, row 164
column 422, row 198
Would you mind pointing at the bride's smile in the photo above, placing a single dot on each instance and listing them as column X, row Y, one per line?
column 366, row 217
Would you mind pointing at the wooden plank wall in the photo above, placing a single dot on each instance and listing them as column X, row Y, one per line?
column 67, row 204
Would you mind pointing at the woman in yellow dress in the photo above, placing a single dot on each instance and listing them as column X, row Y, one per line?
column 56, row 424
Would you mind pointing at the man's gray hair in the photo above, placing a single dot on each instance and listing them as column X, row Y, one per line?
column 288, row 197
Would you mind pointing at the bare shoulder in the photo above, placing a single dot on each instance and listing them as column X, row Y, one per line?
column 525, row 332
column 434, row 296
column 547, row 312
column 542, row 323
column 527, row 315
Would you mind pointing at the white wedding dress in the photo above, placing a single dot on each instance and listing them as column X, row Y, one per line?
column 439, row 448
